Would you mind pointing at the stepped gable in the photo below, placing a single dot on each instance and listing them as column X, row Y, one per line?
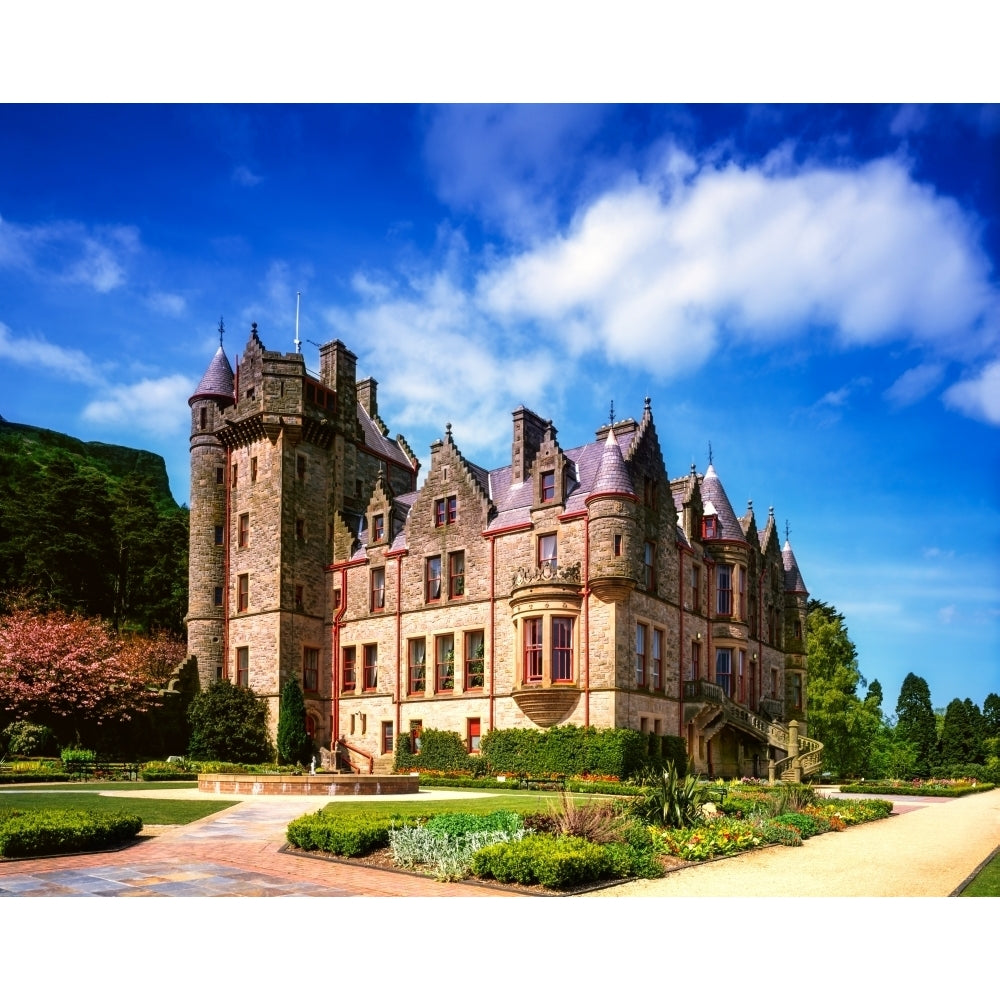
column 218, row 381
column 749, row 525
column 713, row 493
column 794, row 584
column 377, row 441
column 611, row 477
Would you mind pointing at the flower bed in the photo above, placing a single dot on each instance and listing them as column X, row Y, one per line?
column 943, row 787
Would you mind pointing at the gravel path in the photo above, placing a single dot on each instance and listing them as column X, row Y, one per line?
column 929, row 850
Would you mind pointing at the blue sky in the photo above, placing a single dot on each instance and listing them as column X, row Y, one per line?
column 813, row 289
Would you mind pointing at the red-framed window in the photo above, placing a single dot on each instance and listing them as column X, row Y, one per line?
column 444, row 664
column 724, row 592
column 641, row 652
column 695, row 580
column 533, row 650
column 649, row 566
column 378, row 589
column 456, row 575
column 370, row 678
column 432, row 577
column 387, row 737
column 243, row 666
column 378, row 528
column 618, row 546
column 349, row 668
column 311, row 727
column 548, row 486
column 472, row 729
column 710, row 526
column 724, row 670
column 416, row 735
column 445, row 511
column 562, row 650
column 694, row 667
column 243, row 592
column 475, row 650
column 548, row 552
column 416, row 666
column 310, row 669
column 657, row 664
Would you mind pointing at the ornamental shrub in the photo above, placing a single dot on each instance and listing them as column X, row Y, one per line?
column 229, row 723
column 348, row 836
column 456, row 824
column 440, row 750
column 295, row 746
column 26, row 739
column 62, row 831
column 806, row 825
column 554, row 862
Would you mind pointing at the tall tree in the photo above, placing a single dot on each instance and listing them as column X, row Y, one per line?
column 873, row 696
column 991, row 715
column 846, row 725
column 915, row 721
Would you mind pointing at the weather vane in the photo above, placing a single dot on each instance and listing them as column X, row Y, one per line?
column 222, row 330
column 709, row 452
column 612, row 413
column 788, row 530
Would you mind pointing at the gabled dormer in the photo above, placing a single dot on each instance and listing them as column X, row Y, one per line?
column 380, row 513
column 550, row 472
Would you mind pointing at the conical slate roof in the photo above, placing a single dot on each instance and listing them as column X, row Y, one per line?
column 794, row 584
column 713, row 495
column 612, row 476
column 217, row 382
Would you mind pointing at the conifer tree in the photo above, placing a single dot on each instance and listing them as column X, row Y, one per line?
column 294, row 743
column 915, row 722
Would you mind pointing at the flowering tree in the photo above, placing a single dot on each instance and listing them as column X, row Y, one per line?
column 72, row 673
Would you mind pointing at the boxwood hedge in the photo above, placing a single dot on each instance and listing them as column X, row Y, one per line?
column 26, row 834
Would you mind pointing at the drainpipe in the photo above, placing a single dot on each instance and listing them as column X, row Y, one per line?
column 493, row 548
column 399, row 634
column 760, row 637
column 680, row 646
column 228, row 487
column 335, row 735
column 586, row 618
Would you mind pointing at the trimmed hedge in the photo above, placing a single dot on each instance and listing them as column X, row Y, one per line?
column 63, row 831
column 944, row 791
column 29, row 777
column 440, row 750
column 348, row 836
column 542, row 859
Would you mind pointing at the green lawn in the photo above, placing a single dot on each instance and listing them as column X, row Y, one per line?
column 987, row 882
column 155, row 812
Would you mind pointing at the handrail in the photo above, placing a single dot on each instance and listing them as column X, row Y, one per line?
column 364, row 753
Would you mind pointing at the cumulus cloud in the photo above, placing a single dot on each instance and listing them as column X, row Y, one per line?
column 245, row 177
column 914, row 384
column 979, row 396
column 674, row 265
column 156, row 405
column 69, row 251
column 38, row 354
column 167, row 303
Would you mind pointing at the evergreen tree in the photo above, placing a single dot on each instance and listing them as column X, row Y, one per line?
column 294, row 744
column 873, row 696
column 991, row 715
column 915, row 721
column 229, row 723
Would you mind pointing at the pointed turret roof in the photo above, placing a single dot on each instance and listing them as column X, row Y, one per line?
column 612, row 476
column 217, row 382
column 794, row 584
column 713, row 494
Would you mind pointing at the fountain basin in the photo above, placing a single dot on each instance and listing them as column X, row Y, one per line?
column 309, row 784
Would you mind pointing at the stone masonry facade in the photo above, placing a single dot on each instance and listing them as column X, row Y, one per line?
column 578, row 585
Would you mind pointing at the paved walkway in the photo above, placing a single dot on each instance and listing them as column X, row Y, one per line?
column 927, row 849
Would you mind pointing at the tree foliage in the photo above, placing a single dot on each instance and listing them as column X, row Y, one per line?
column 229, row 723
column 915, row 721
column 961, row 734
column 846, row 725
column 294, row 744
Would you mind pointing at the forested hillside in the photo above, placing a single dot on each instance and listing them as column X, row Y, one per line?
column 92, row 528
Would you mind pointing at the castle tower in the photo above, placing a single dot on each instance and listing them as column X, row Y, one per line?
column 796, row 611
column 207, row 540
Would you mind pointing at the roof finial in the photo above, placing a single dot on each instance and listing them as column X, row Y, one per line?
column 253, row 328
column 788, row 530
column 447, row 431
column 612, row 417
column 709, row 452
column 647, row 404
column 222, row 330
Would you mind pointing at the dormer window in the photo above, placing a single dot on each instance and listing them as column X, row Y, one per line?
column 710, row 526
column 378, row 528
column 445, row 511
column 548, row 486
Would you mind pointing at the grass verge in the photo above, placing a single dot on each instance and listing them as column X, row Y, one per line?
column 987, row 882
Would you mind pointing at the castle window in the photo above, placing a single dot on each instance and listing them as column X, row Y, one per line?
column 724, row 595
column 253, row 469
column 236, row 470
column 217, row 597
column 562, row 650
column 432, row 579
column 657, row 659
column 370, row 679
column 300, row 530
column 202, row 417
column 378, row 589
column 417, row 668
column 445, row 511
column 310, row 669
column 348, row 669
column 532, row 650
column 243, row 536
column 473, row 728
column 300, row 467
column 548, row 486
column 378, row 528
column 444, row 676
column 618, row 545
column 694, row 668
column 220, row 475
column 243, row 666
column 797, row 628
column 649, row 492
column 696, row 589
column 797, row 690
column 250, row 393
column 724, row 670
column 640, row 654
column 243, row 592
column 416, row 734
column 386, row 737
column 219, row 536
column 298, row 597
column 710, row 526
column 548, row 553
column 649, row 566
column 456, row 574
column 774, row 685
column 474, row 657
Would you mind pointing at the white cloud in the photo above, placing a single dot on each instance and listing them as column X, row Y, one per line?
column 914, row 384
column 946, row 615
column 245, row 177
column 677, row 264
column 158, row 405
column 167, row 303
column 978, row 397
column 69, row 251
column 39, row 355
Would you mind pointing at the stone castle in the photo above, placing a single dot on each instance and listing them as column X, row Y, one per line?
column 575, row 585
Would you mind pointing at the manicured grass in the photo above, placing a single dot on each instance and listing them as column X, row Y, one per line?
column 521, row 802
column 154, row 812
column 987, row 882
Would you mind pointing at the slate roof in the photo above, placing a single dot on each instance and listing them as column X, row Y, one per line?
column 794, row 584
column 712, row 492
column 377, row 442
column 217, row 382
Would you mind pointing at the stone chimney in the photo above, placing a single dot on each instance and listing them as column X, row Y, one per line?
column 367, row 397
column 529, row 429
